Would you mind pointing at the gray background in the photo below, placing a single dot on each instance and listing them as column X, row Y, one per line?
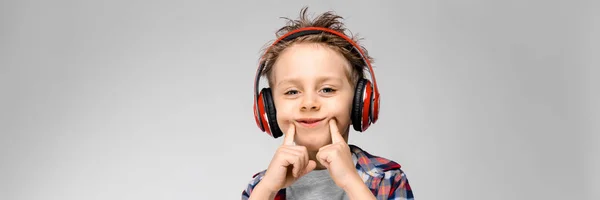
column 153, row 99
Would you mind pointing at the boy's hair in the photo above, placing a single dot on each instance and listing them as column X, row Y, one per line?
column 338, row 44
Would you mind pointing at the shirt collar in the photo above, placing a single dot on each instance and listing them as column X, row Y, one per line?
column 372, row 165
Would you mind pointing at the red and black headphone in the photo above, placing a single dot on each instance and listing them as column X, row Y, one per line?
column 365, row 106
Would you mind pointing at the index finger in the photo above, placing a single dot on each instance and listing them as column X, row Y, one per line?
column 289, row 135
column 336, row 136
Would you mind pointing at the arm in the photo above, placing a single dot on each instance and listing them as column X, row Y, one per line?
column 261, row 193
column 357, row 189
column 337, row 158
column 253, row 190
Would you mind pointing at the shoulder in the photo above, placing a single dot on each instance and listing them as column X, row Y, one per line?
column 385, row 175
column 374, row 165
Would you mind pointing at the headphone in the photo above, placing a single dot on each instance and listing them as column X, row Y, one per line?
column 365, row 105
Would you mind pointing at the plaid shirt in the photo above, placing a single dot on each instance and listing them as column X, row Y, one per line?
column 383, row 177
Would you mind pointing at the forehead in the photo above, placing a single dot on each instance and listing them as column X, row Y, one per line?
column 310, row 60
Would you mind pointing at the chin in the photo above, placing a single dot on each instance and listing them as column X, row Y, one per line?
column 313, row 139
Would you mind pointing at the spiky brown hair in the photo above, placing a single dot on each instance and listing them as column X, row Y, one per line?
column 326, row 20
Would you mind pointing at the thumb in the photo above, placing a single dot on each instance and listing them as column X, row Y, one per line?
column 310, row 167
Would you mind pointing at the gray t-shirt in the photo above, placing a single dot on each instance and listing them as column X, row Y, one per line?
column 315, row 185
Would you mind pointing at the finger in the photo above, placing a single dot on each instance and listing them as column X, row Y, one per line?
column 289, row 135
column 300, row 151
column 324, row 147
column 322, row 158
column 335, row 132
column 304, row 156
column 302, row 161
column 294, row 161
column 295, row 158
column 291, row 151
column 309, row 167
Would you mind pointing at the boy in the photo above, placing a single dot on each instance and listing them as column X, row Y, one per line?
column 316, row 92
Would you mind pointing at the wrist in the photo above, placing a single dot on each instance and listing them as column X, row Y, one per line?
column 263, row 191
column 357, row 189
column 353, row 182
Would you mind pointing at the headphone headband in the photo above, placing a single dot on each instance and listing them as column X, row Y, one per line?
column 311, row 31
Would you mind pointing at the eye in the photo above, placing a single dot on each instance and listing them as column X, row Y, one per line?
column 328, row 90
column 291, row 92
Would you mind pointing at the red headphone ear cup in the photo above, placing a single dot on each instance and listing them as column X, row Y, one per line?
column 376, row 105
column 366, row 107
column 261, row 120
column 271, row 114
column 357, row 105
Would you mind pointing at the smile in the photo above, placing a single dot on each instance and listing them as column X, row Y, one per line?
column 310, row 122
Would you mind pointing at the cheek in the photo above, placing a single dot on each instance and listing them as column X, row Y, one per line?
column 285, row 111
column 341, row 110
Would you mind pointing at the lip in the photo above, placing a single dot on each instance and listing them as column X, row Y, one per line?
column 309, row 122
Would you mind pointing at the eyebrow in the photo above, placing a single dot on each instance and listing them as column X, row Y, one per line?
column 320, row 79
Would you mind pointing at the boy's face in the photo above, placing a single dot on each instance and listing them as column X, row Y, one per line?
column 311, row 87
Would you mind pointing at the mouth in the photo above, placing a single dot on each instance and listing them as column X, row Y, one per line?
column 310, row 122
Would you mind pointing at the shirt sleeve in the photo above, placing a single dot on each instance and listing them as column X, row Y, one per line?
column 400, row 189
column 255, row 180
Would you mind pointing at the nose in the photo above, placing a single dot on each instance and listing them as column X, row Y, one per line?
column 310, row 103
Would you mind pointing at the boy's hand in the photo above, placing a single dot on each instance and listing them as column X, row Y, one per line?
column 289, row 163
column 338, row 159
